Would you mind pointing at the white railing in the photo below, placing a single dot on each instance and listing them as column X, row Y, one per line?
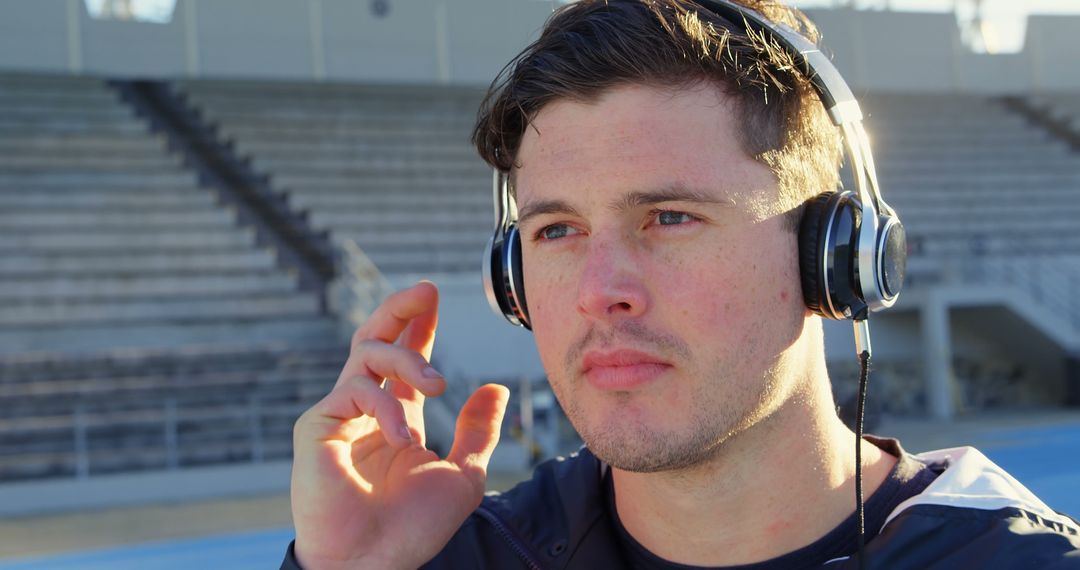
column 1051, row 282
column 168, row 433
column 358, row 288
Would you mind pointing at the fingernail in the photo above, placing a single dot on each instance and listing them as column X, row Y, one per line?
column 430, row 372
column 405, row 433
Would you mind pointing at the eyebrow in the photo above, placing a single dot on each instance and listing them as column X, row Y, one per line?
column 632, row 200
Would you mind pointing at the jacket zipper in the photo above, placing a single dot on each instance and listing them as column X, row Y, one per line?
column 510, row 538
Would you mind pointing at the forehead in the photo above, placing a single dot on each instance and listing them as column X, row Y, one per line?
column 639, row 138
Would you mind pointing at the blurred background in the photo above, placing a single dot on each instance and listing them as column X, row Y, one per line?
column 201, row 199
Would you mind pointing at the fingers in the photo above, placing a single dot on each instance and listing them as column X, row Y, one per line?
column 415, row 309
column 411, row 314
column 477, row 431
column 361, row 396
column 377, row 360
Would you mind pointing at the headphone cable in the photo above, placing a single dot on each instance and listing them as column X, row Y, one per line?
column 864, row 360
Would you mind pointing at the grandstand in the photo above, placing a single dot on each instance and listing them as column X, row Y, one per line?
column 389, row 168
column 189, row 233
column 134, row 310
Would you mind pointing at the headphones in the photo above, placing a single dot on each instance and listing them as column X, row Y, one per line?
column 852, row 246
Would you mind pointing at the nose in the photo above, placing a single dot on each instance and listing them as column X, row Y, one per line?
column 611, row 284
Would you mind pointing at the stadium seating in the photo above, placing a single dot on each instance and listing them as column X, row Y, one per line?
column 129, row 411
column 107, row 244
column 390, row 168
column 1062, row 106
column 971, row 178
column 106, row 240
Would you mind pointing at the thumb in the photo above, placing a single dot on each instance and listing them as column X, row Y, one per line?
column 477, row 431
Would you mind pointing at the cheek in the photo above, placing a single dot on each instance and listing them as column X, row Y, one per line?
column 727, row 290
column 550, row 299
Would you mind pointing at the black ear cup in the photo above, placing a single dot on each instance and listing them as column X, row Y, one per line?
column 516, row 277
column 828, row 255
column 810, row 251
column 504, row 281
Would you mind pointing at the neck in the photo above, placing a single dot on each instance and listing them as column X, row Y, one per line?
column 771, row 489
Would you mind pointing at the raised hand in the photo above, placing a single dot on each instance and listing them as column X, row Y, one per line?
column 366, row 493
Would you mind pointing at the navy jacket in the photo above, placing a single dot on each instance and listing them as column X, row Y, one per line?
column 973, row 515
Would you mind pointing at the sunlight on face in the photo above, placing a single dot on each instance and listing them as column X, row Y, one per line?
column 661, row 299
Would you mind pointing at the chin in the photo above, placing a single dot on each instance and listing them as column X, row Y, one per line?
column 630, row 442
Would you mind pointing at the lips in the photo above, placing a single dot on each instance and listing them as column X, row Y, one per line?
column 622, row 369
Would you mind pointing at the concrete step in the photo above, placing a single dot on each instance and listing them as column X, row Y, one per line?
column 298, row 133
column 365, row 172
column 963, row 197
column 984, row 167
column 979, row 119
column 117, row 200
column 47, row 313
column 345, row 121
column 16, row 80
column 136, row 285
column 367, row 162
column 35, row 110
column 61, row 266
column 62, row 98
column 106, row 387
column 383, row 220
column 469, row 199
column 192, row 361
column 114, row 145
column 456, row 237
column 249, row 139
column 889, row 135
column 151, row 150
column 413, row 184
column 297, row 332
column 961, row 227
column 169, row 240
column 411, row 170
column 245, row 99
column 60, row 121
column 105, row 220
column 944, row 245
column 985, row 211
column 10, row 127
column 331, row 149
column 88, row 178
column 64, row 190
column 980, row 179
column 96, row 168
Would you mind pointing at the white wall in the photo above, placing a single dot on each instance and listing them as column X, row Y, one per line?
column 468, row 42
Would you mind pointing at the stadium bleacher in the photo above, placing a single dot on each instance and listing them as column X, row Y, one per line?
column 970, row 178
column 131, row 301
column 1063, row 106
column 109, row 241
column 389, row 167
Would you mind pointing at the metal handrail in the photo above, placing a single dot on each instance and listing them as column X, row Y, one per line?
column 1052, row 282
column 358, row 288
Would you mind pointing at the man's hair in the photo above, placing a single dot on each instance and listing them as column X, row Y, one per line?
column 591, row 46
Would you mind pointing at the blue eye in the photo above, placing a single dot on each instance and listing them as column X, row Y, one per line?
column 554, row 231
column 673, row 218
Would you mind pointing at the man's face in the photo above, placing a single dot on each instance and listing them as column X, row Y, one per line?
column 663, row 289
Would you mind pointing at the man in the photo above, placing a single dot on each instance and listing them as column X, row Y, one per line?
column 659, row 157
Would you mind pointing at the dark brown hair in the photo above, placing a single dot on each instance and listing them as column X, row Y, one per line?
column 590, row 46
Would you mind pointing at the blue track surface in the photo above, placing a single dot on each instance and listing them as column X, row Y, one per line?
column 255, row 551
column 1046, row 460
